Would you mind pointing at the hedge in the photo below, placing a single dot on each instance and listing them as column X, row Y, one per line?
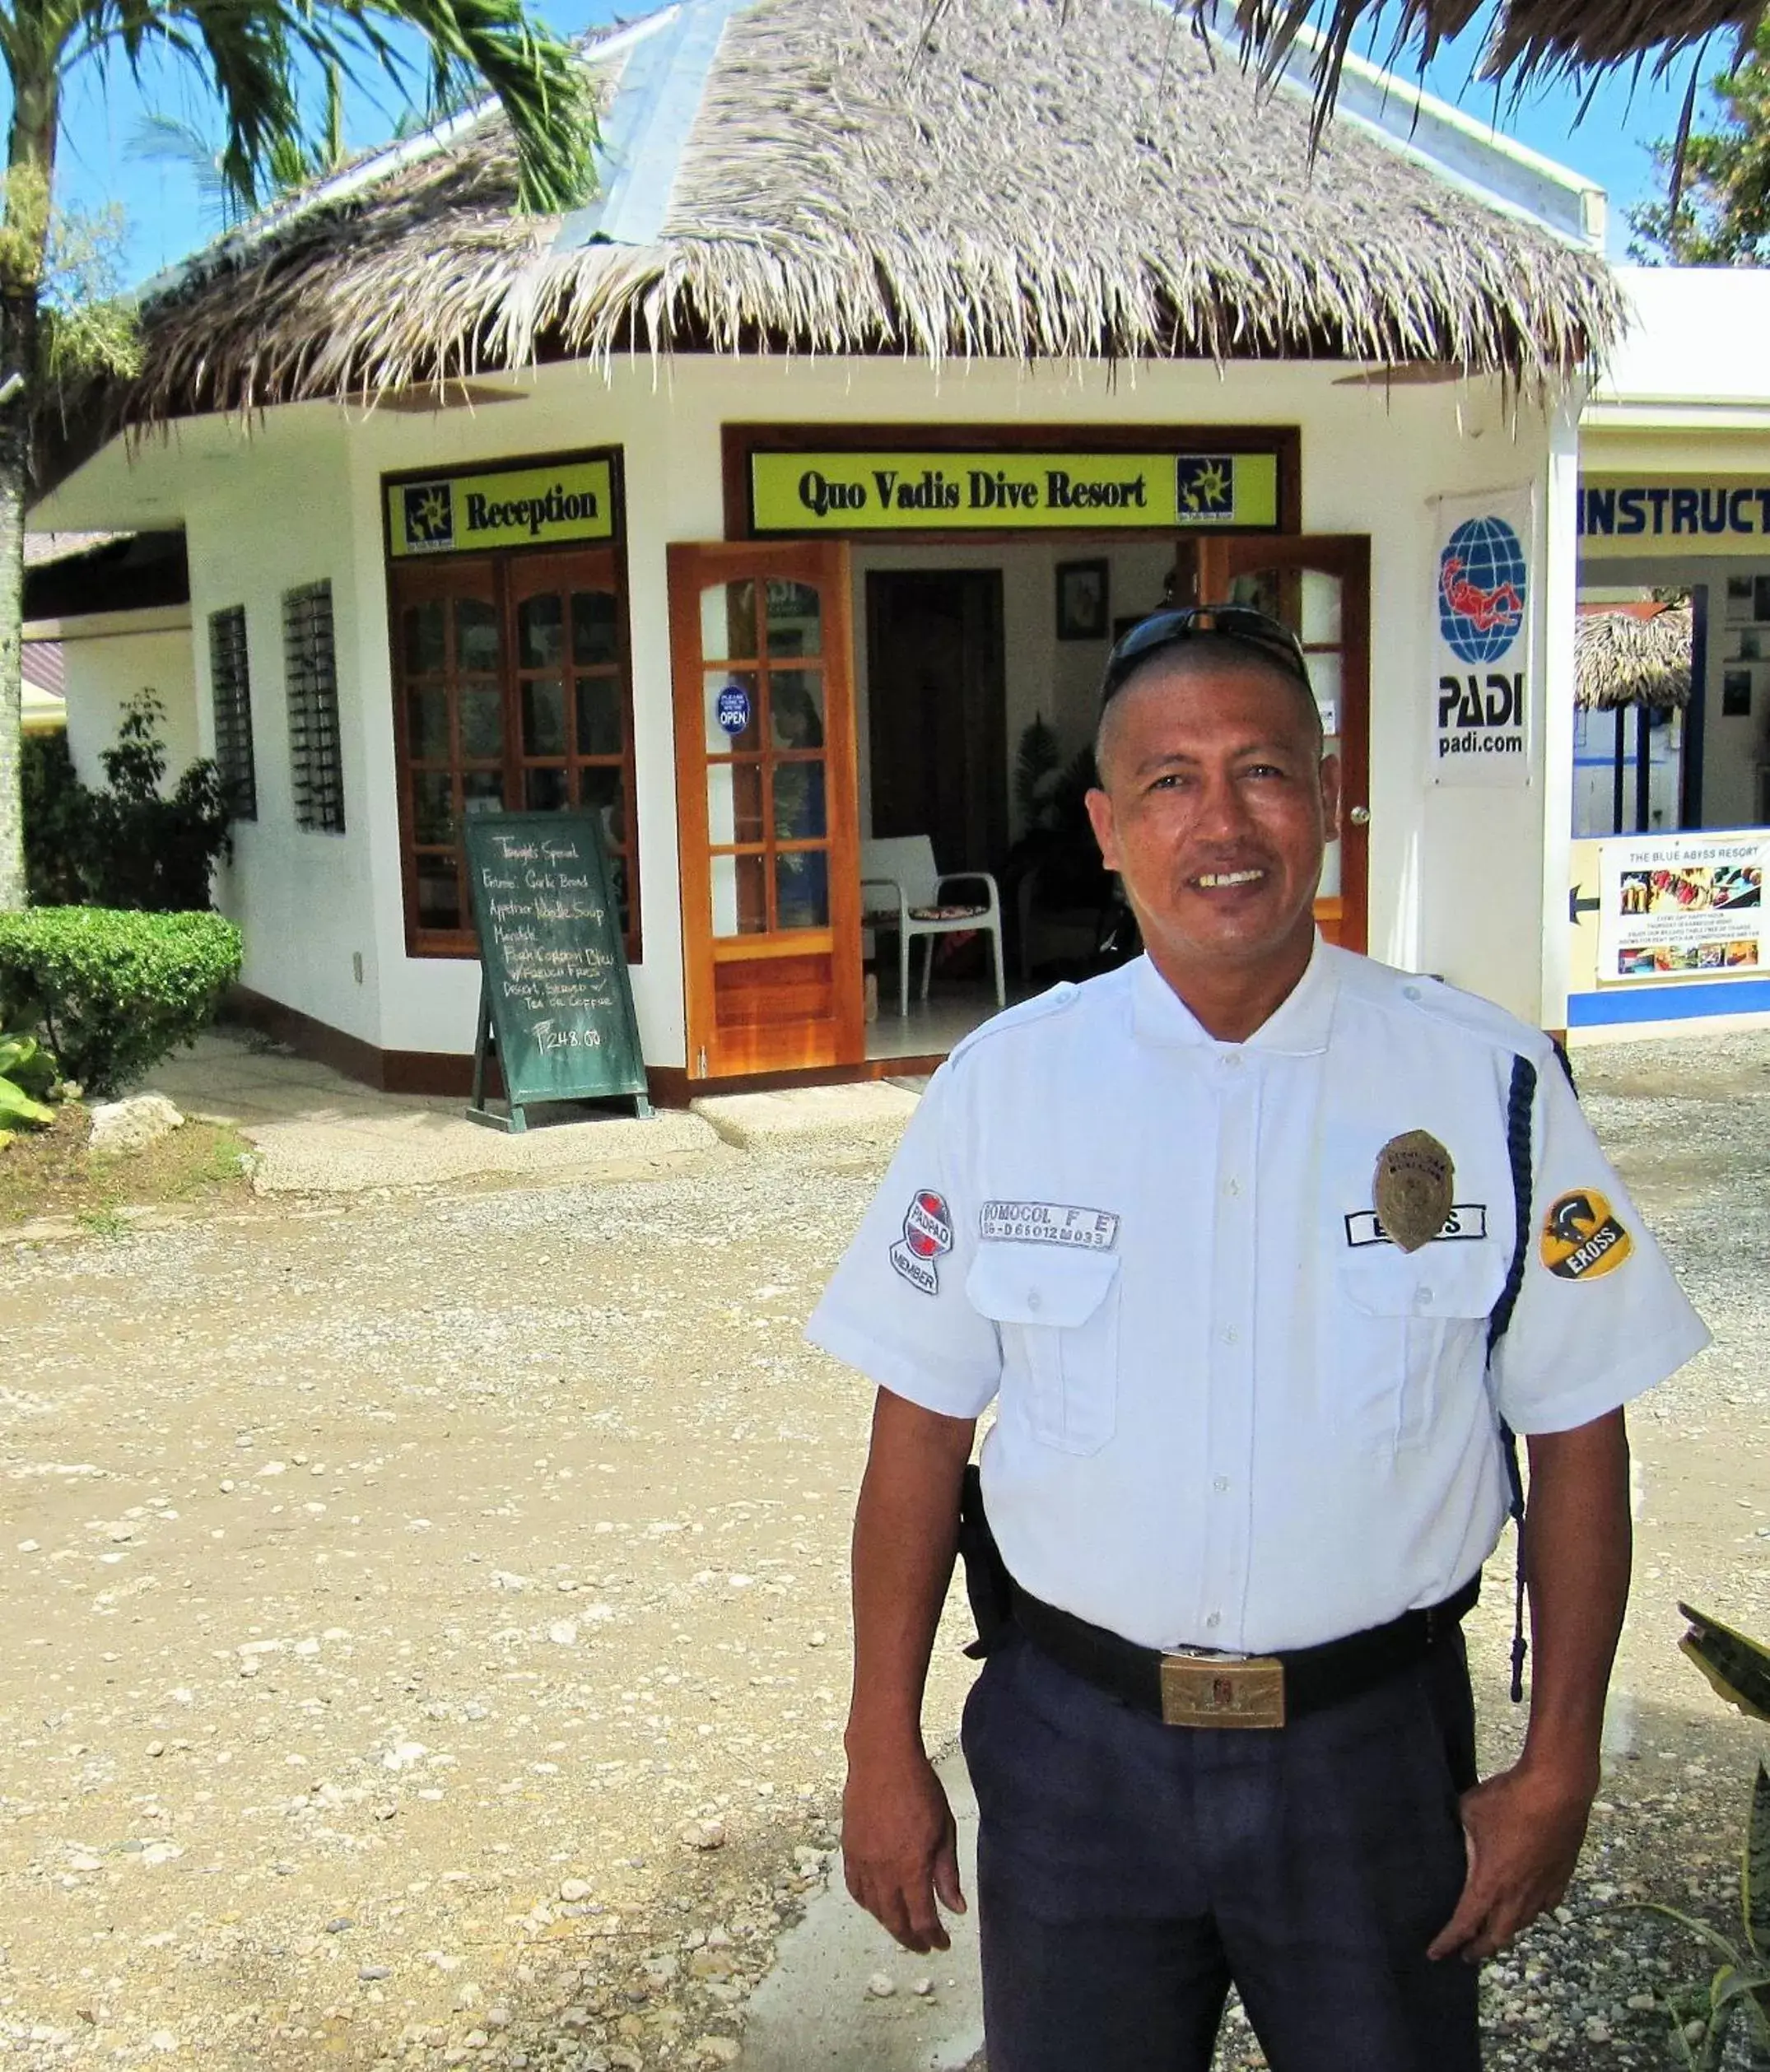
column 113, row 993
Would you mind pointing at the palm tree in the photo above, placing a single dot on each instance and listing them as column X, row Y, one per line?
column 250, row 56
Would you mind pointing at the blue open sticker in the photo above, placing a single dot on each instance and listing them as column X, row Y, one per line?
column 733, row 709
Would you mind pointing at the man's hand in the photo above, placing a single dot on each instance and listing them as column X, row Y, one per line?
column 900, row 1848
column 1523, row 1829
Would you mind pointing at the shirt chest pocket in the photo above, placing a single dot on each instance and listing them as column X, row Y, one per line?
column 1409, row 1326
column 1058, row 1315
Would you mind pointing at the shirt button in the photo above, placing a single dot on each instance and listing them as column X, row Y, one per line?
column 1214, row 1619
column 1220, row 1483
column 1230, row 1334
column 1231, row 1188
column 1232, row 1061
column 1423, row 1297
column 1035, row 1300
column 1410, row 993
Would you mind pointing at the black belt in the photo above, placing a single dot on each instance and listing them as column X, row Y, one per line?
column 1237, row 1691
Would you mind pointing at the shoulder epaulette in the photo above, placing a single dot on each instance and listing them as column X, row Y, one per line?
column 1470, row 1012
column 1057, row 1001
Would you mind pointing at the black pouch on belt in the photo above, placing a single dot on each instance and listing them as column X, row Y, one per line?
column 987, row 1583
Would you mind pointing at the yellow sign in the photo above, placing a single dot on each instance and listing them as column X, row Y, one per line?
column 799, row 493
column 555, row 506
column 1629, row 516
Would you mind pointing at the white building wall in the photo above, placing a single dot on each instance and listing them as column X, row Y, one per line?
column 274, row 517
column 108, row 667
column 1457, row 875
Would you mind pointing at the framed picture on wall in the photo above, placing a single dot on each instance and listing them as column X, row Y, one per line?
column 1761, row 597
column 1735, row 694
column 1740, row 600
column 1081, row 600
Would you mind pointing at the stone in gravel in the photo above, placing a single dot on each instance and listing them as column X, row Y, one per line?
column 563, row 1632
column 133, row 1125
column 367, row 1972
column 881, row 1986
column 719, row 2049
column 337, row 1926
column 574, row 1889
column 922, row 1988
column 702, row 1834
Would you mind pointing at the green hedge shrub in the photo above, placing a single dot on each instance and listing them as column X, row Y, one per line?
column 113, row 993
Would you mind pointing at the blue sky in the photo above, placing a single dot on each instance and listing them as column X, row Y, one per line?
column 165, row 216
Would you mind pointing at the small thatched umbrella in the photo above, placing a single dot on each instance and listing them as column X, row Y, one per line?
column 1624, row 659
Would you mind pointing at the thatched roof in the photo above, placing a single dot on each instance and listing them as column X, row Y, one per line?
column 1531, row 37
column 1623, row 658
column 1024, row 179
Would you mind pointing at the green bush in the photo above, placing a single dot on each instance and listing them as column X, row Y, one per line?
column 113, row 993
column 130, row 845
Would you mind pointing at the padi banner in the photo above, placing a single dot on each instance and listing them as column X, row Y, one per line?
column 556, row 505
column 1482, row 689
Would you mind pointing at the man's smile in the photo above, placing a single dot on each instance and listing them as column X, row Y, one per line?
column 1224, row 880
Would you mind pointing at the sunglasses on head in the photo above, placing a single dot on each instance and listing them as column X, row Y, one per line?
column 1240, row 622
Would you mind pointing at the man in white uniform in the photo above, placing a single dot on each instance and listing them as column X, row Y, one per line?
column 1254, row 1244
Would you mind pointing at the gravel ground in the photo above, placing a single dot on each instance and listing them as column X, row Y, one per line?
column 424, row 1641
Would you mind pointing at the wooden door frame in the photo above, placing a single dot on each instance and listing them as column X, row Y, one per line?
column 1348, row 556
column 692, row 566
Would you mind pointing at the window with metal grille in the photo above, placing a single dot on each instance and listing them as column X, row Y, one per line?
column 230, row 690
column 311, row 676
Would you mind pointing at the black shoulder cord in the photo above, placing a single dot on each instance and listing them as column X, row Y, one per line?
column 1519, row 1104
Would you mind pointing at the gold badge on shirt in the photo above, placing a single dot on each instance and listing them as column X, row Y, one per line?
column 1412, row 1190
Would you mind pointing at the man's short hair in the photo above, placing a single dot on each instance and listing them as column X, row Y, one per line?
column 1198, row 652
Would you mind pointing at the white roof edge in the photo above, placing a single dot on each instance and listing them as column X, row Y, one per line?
column 392, row 159
column 1465, row 152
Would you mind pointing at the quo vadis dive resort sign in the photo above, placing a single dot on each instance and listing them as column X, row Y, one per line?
column 799, row 492
column 556, row 504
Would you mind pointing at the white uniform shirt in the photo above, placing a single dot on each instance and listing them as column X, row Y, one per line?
column 1232, row 1414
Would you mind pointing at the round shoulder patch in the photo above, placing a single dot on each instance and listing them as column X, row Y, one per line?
column 1582, row 1238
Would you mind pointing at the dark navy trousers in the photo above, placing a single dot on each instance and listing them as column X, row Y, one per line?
column 1129, row 1872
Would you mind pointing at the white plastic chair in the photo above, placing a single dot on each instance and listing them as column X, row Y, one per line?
column 902, row 867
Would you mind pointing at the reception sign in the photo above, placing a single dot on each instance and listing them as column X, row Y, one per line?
column 796, row 493
column 1627, row 516
column 563, row 503
column 1679, row 906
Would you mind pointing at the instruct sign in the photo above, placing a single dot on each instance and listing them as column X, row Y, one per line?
column 1624, row 517
column 555, row 1006
column 797, row 493
column 558, row 504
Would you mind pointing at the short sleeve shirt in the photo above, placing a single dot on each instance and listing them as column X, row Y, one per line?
column 1230, row 1411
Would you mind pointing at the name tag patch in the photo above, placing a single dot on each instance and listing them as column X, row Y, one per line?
column 927, row 1237
column 1094, row 1230
column 1466, row 1219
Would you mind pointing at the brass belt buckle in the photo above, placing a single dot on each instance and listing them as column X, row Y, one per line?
column 1219, row 1691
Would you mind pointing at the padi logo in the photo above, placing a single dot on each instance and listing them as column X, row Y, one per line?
column 1205, row 485
column 428, row 512
column 927, row 1235
column 1481, row 589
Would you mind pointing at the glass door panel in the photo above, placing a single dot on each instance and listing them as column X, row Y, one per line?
column 765, row 796
column 1320, row 587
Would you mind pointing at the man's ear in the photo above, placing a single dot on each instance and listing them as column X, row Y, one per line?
column 1100, row 819
column 1331, row 796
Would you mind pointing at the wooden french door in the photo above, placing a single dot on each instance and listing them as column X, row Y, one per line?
column 1320, row 586
column 767, row 820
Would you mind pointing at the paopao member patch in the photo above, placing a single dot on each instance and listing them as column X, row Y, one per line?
column 1094, row 1230
column 1582, row 1238
column 927, row 1236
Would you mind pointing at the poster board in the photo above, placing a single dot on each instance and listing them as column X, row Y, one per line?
column 555, row 1005
column 1682, row 906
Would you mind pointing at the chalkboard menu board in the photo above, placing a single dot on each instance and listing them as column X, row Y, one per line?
column 555, row 1006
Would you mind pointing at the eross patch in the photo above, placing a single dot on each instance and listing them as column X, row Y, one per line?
column 927, row 1236
column 1581, row 1238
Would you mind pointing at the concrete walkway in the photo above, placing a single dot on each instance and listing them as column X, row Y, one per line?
column 317, row 1132
column 821, row 2009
